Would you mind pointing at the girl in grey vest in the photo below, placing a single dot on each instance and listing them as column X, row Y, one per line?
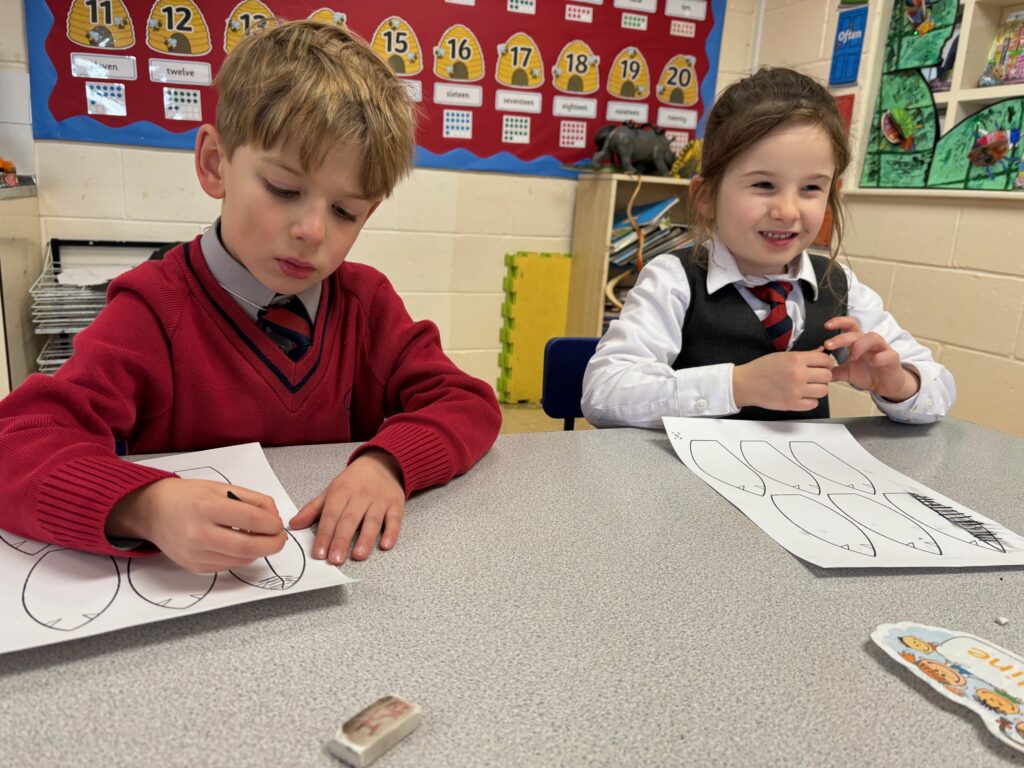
column 745, row 322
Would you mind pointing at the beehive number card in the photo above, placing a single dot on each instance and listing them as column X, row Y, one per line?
column 974, row 673
column 520, row 86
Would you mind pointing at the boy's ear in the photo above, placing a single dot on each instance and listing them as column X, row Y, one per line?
column 699, row 197
column 210, row 159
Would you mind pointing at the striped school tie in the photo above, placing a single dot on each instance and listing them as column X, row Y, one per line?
column 288, row 325
column 778, row 322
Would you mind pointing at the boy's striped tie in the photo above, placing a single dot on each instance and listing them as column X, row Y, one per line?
column 288, row 325
column 778, row 322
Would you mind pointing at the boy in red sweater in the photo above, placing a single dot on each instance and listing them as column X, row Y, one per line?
column 257, row 330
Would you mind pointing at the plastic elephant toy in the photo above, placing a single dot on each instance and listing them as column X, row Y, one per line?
column 636, row 149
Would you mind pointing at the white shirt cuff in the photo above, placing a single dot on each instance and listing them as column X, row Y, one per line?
column 706, row 391
column 926, row 405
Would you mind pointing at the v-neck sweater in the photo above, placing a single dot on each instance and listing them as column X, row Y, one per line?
column 172, row 364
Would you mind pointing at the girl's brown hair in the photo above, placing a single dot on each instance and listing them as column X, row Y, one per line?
column 749, row 110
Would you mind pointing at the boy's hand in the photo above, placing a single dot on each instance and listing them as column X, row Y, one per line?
column 367, row 494
column 871, row 363
column 783, row 381
column 195, row 524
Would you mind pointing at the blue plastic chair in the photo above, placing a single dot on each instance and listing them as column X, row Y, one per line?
column 565, row 360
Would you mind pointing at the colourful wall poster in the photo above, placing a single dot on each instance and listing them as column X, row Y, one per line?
column 519, row 86
column 983, row 151
column 903, row 131
column 906, row 148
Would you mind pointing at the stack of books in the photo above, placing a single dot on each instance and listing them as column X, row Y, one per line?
column 661, row 235
column 660, row 232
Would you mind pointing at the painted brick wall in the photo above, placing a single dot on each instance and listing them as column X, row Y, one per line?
column 441, row 238
column 20, row 250
column 948, row 268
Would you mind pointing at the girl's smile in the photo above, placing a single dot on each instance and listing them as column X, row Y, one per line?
column 779, row 239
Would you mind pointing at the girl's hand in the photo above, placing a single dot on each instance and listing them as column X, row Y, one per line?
column 871, row 363
column 783, row 381
column 367, row 494
column 197, row 526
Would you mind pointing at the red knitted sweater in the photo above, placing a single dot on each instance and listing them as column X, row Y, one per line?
column 174, row 364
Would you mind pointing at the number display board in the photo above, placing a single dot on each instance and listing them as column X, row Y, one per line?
column 520, row 86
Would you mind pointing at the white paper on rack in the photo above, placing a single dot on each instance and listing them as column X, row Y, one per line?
column 818, row 493
column 49, row 594
column 91, row 276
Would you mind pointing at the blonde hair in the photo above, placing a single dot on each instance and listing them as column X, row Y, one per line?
column 317, row 85
column 745, row 113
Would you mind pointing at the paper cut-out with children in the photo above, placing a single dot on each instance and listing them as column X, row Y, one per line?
column 966, row 669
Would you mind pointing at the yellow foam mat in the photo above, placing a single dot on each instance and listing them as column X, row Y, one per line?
column 536, row 301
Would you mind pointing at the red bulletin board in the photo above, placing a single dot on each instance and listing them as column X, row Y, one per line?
column 509, row 85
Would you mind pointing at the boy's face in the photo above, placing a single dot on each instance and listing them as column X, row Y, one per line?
column 772, row 198
column 289, row 227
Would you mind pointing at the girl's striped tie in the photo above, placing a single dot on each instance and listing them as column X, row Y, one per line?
column 778, row 322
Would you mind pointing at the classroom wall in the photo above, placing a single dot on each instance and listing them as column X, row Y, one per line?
column 947, row 267
column 20, row 237
column 441, row 238
column 737, row 40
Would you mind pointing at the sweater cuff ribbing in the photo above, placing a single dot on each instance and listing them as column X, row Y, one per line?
column 420, row 452
column 77, row 498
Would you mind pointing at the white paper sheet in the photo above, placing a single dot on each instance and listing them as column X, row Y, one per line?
column 818, row 493
column 97, row 274
column 49, row 594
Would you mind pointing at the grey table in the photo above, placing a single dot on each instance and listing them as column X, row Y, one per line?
column 578, row 599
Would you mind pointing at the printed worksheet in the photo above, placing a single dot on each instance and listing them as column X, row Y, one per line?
column 818, row 493
column 49, row 594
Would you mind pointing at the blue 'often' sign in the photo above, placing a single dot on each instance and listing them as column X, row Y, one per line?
column 848, row 46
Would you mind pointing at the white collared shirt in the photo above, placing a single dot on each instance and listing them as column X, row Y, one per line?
column 630, row 381
column 248, row 292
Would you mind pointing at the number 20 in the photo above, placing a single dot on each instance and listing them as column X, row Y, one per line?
column 679, row 76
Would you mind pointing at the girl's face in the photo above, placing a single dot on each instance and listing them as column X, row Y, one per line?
column 772, row 198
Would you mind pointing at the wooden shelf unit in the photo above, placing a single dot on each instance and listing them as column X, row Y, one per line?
column 598, row 197
column 981, row 19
